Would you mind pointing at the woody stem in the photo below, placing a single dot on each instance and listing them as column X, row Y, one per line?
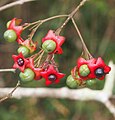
column 86, row 52
column 70, row 16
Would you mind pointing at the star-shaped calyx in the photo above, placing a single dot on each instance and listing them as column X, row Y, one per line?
column 20, row 62
column 30, row 45
column 96, row 68
column 51, row 75
column 37, row 71
column 14, row 25
column 59, row 40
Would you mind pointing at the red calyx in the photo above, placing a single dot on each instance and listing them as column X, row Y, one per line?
column 20, row 62
column 51, row 75
column 98, row 69
column 59, row 40
column 37, row 71
column 30, row 45
column 14, row 25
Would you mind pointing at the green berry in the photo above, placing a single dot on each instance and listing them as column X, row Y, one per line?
column 25, row 51
column 71, row 83
column 8, row 23
column 90, row 82
column 27, row 75
column 49, row 46
column 10, row 35
column 84, row 70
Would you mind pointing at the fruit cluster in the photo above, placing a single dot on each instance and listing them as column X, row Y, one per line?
column 36, row 64
column 86, row 71
column 29, row 62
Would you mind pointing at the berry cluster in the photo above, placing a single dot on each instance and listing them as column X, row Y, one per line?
column 30, row 64
column 36, row 64
column 86, row 71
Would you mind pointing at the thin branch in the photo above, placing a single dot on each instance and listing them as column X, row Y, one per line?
column 85, row 49
column 19, row 2
column 10, row 94
column 70, row 16
column 38, row 23
column 44, row 20
column 8, row 70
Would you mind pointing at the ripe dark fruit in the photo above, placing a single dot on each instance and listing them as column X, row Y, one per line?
column 52, row 77
column 99, row 72
column 20, row 62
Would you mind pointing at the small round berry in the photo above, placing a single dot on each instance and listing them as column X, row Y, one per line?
column 24, row 50
column 8, row 23
column 10, row 35
column 84, row 70
column 49, row 46
column 20, row 62
column 99, row 72
column 27, row 75
column 71, row 83
column 90, row 82
column 52, row 77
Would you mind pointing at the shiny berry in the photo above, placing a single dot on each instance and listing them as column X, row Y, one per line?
column 24, row 50
column 52, row 77
column 10, row 35
column 8, row 23
column 99, row 72
column 27, row 75
column 20, row 62
column 49, row 46
column 90, row 82
column 71, row 83
column 84, row 70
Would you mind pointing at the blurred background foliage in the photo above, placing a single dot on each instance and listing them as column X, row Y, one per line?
column 96, row 21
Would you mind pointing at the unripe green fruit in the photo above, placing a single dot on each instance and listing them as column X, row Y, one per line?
column 49, row 46
column 27, row 75
column 25, row 51
column 84, row 70
column 71, row 83
column 8, row 23
column 10, row 35
column 90, row 82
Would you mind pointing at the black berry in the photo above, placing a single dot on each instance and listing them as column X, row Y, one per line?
column 99, row 72
column 52, row 77
column 20, row 62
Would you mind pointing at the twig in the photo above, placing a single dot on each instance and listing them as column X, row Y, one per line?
column 8, row 70
column 10, row 94
column 19, row 2
column 86, row 52
column 70, row 16
column 38, row 23
column 42, row 21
